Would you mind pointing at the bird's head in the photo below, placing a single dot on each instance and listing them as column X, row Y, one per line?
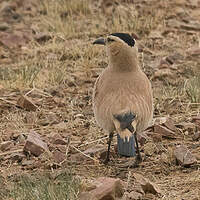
column 121, row 48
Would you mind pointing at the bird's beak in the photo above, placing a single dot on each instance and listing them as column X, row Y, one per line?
column 99, row 41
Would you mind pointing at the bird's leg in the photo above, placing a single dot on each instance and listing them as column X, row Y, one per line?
column 108, row 152
column 138, row 159
column 138, row 156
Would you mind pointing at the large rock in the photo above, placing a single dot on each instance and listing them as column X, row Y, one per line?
column 105, row 189
column 184, row 156
column 147, row 185
column 35, row 145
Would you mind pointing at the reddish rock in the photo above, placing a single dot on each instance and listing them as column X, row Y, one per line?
column 57, row 139
column 147, row 185
column 164, row 131
column 165, row 121
column 184, row 156
column 35, row 145
column 59, row 157
column 105, row 189
column 26, row 104
column 5, row 146
column 169, row 123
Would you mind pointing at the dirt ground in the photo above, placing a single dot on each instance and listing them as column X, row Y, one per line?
column 46, row 55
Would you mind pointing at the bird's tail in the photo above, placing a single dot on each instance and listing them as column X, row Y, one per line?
column 125, row 125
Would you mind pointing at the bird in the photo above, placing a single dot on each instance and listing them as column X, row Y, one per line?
column 122, row 95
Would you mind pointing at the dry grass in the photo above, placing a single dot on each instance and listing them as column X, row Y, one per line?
column 193, row 89
column 79, row 21
column 40, row 186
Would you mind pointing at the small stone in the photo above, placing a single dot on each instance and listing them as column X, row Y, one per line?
column 164, row 131
column 169, row 123
column 26, row 103
column 196, row 136
column 59, row 157
column 184, row 156
column 35, row 145
column 57, row 139
column 165, row 121
column 5, row 146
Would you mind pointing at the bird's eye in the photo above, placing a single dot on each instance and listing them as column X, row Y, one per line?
column 109, row 40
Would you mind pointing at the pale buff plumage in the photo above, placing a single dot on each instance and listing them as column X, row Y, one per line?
column 122, row 87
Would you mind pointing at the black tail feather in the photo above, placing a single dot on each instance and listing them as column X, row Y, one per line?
column 125, row 120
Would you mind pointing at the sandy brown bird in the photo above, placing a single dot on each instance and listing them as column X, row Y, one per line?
column 122, row 96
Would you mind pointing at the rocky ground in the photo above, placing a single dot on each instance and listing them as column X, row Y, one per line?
column 48, row 67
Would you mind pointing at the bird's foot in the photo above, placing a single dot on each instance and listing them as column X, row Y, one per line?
column 137, row 161
column 106, row 161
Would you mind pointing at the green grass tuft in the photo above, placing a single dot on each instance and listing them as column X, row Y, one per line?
column 42, row 186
